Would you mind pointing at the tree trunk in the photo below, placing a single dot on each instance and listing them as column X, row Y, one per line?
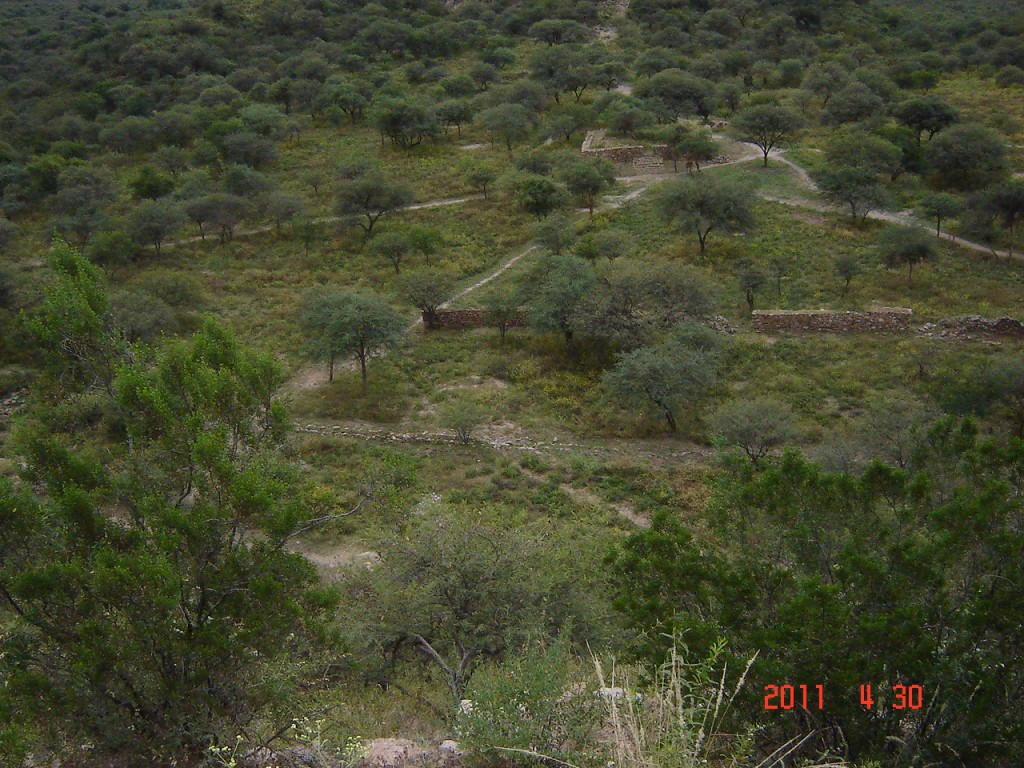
column 670, row 419
column 330, row 369
column 766, row 157
column 362, row 367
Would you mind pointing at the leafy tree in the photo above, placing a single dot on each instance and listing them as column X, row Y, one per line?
column 407, row 121
column 691, row 146
column 112, row 247
column 370, row 195
column 339, row 324
column 667, row 377
column 480, row 175
column 568, row 120
column 637, row 301
column 750, row 278
column 159, row 630
column 825, row 80
column 704, row 204
column 558, row 31
column 463, row 417
column 588, row 178
column 854, row 103
column 223, row 211
column 765, row 125
column 502, row 311
column 864, row 151
column 393, row 246
column 538, row 194
column 858, row 189
column 556, row 292
column 925, row 114
column 828, row 568
column 967, row 156
column 308, row 230
column 627, row 116
column 756, row 425
column 1006, row 203
column 284, row 206
column 155, row 220
column 149, row 183
column 609, row 243
column 906, row 246
column 847, row 267
column 455, row 113
column 556, row 233
column 677, row 93
column 508, row 123
column 939, row 206
column 1003, row 382
column 72, row 328
column 427, row 290
column 455, row 595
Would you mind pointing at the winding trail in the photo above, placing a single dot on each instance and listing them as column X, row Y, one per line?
column 325, row 220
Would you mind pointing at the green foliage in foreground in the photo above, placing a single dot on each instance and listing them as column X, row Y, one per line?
column 890, row 577
column 154, row 608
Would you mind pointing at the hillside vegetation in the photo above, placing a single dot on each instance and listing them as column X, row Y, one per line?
column 344, row 398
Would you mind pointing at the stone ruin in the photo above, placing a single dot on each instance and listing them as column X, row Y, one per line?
column 883, row 320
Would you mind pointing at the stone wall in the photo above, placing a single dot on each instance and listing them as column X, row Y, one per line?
column 466, row 318
column 627, row 155
column 974, row 326
column 885, row 320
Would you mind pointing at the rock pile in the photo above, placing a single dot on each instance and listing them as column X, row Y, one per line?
column 974, row 327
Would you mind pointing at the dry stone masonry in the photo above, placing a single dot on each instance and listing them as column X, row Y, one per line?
column 465, row 318
column 974, row 327
column 884, row 320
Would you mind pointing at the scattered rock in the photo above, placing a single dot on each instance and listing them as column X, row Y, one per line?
column 969, row 327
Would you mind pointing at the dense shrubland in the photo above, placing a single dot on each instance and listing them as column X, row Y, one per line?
column 206, row 206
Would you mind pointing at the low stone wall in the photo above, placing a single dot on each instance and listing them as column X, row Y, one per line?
column 974, row 326
column 466, row 318
column 885, row 320
column 627, row 155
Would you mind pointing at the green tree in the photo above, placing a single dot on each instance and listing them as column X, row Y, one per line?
column 847, row 267
column 502, row 311
column 906, row 247
column 427, row 290
column 508, row 123
column 556, row 291
column 455, row 595
column 407, row 121
column 393, row 246
column 608, row 243
column 755, row 425
column 340, row 324
column 1006, row 203
column 556, row 233
column 765, row 125
column 858, row 189
column 668, row 377
column 925, row 114
column 72, row 328
column 163, row 628
column 481, row 175
column 155, row 220
column 538, row 194
column 677, row 93
column 588, row 178
column 370, row 195
column 704, row 204
column 939, row 206
column 967, row 156
column 691, row 146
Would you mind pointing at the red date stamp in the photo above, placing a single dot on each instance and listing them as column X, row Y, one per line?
column 813, row 697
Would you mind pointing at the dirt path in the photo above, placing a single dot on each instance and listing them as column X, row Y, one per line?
column 902, row 218
column 325, row 220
